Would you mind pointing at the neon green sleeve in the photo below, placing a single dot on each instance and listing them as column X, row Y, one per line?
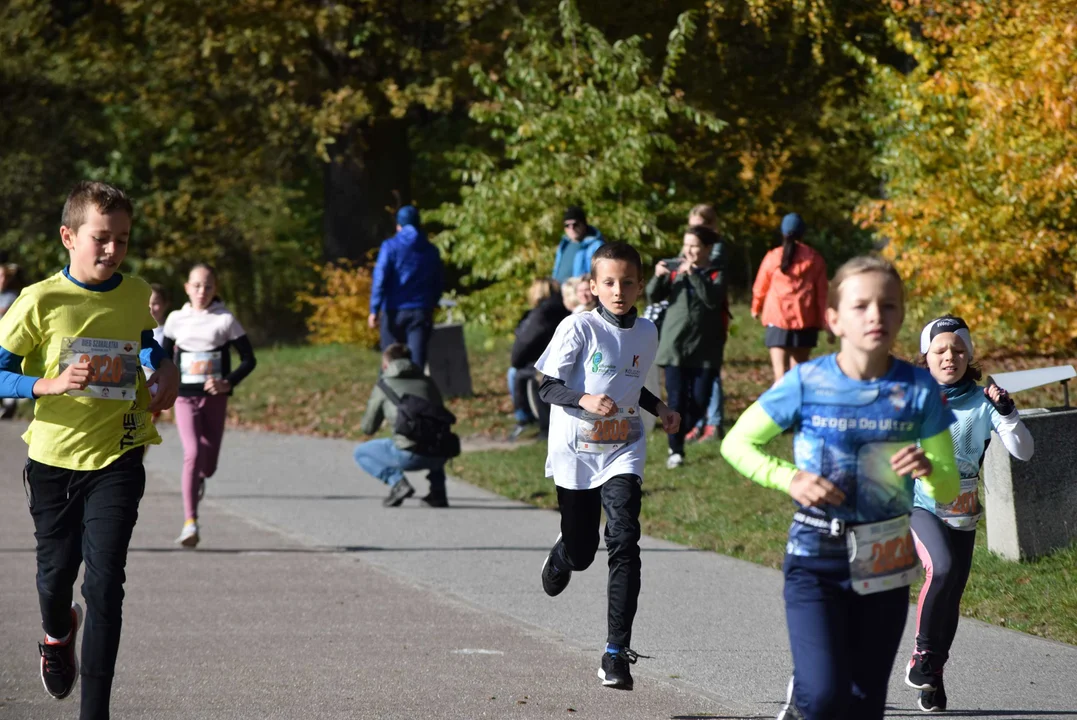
column 944, row 482
column 742, row 448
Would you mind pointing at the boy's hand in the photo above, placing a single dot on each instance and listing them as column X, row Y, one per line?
column 372, row 320
column 217, row 386
column 911, row 460
column 809, row 490
column 671, row 419
column 74, row 377
column 599, row 405
column 167, row 377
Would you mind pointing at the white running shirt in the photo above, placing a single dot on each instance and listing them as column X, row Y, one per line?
column 594, row 356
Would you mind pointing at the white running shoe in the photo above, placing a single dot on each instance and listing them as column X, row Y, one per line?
column 675, row 461
column 189, row 535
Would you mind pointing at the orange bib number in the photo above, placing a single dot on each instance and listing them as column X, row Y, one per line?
column 107, row 369
column 197, row 367
column 114, row 366
column 596, row 434
column 882, row 555
column 964, row 512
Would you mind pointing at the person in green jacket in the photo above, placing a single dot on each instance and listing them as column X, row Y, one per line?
column 388, row 459
column 689, row 349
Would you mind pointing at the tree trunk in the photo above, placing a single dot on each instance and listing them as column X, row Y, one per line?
column 367, row 179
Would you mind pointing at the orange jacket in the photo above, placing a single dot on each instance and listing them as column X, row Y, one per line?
column 796, row 301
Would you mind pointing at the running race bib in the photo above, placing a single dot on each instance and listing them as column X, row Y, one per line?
column 964, row 512
column 596, row 434
column 881, row 555
column 115, row 366
column 197, row 367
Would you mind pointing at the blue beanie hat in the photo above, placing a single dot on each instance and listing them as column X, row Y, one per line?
column 407, row 215
column 793, row 224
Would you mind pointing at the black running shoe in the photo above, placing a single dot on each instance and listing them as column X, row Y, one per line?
column 614, row 671
column 933, row 700
column 554, row 581
column 436, row 500
column 398, row 493
column 923, row 672
column 59, row 664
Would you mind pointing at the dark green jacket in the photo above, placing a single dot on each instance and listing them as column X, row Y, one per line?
column 405, row 378
column 694, row 327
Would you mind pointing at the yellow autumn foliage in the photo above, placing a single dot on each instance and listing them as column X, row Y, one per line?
column 979, row 152
column 339, row 306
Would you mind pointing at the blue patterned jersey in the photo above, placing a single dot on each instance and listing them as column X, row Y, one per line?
column 846, row 431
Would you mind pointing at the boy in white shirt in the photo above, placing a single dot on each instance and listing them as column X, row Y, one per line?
column 594, row 369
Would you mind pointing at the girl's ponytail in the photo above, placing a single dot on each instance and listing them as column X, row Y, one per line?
column 789, row 249
column 793, row 229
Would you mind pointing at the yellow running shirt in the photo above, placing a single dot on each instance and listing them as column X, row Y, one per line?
column 57, row 322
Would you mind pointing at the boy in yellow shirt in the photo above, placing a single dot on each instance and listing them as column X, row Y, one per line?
column 77, row 342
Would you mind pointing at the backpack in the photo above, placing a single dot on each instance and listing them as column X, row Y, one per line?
column 426, row 424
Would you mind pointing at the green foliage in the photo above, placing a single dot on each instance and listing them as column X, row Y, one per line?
column 579, row 120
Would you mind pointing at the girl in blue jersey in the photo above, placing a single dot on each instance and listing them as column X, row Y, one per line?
column 858, row 416
column 945, row 534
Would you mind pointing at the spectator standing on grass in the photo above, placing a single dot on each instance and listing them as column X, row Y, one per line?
column 533, row 334
column 709, row 426
column 577, row 246
column 408, row 281
column 789, row 298
column 689, row 347
column 402, row 383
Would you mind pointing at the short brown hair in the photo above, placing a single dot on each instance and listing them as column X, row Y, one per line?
column 617, row 251
column 106, row 198
column 397, row 351
column 710, row 217
column 160, row 290
column 859, row 266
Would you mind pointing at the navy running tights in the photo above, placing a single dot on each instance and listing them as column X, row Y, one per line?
column 843, row 644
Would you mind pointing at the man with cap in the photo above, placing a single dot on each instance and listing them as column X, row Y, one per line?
column 408, row 281
column 577, row 246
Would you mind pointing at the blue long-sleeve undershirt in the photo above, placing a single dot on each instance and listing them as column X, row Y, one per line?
column 14, row 384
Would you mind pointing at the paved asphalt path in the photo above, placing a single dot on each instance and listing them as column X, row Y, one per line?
column 307, row 599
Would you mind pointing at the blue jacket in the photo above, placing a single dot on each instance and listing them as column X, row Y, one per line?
column 408, row 274
column 581, row 263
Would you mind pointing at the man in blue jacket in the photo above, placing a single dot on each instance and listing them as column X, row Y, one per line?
column 408, row 281
column 577, row 246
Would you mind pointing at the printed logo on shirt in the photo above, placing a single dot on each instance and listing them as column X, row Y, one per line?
column 634, row 370
column 598, row 367
column 842, row 424
column 897, row 398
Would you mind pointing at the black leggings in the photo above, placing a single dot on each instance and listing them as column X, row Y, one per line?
column 86, row 518
column 947, row 557
column 581, row 512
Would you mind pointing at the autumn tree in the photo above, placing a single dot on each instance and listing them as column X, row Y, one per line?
column 979, row 154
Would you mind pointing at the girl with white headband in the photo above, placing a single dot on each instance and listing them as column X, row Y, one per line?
column 945, row 534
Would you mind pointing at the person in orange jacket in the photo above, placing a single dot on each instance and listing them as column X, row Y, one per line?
column 789, row 297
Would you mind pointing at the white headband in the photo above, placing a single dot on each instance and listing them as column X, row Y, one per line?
column 942, row 325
